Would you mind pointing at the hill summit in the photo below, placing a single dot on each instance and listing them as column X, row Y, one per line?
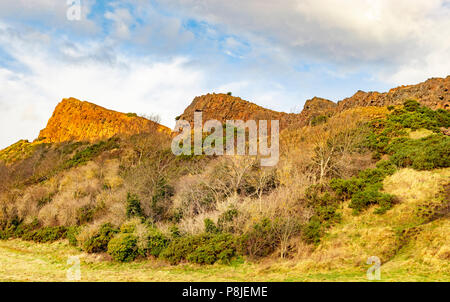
column 75, row 120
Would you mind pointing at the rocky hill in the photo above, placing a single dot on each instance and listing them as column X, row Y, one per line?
column 83, row 121
column 434, row 93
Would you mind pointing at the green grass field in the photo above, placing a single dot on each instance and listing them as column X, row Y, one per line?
column 27, row 261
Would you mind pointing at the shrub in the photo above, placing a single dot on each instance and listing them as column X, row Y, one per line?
column 46, row 234
column 162, row 192
column 134, row 206
column 312, row 232
column 71, row 235
column 224, row 222
column 123, row 247
column 210, row 226
column 259, row 241
column 157, row 242
column 99, row 242
column 423, row 154
column 201, row 249
column 82, row 157
column 319, row 119
column 369, row 196
column 215, row 248
column 85, row 214
column 411, row 105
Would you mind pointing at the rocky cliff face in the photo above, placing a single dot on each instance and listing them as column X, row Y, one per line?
column 433, row 93
column 223, row 107
column 83, row 121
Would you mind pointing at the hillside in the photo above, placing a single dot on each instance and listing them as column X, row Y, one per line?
column 353, row 181
column 74, row 120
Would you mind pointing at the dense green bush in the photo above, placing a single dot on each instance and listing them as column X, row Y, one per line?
column 157, row 242
column 313, row 231
column 71, row 235
column 259, row 241
column 134, row 206
column 123, row 247
column 225, row 220
column 210, row 226
column 201, row 249
column 99, row 242
column 46, row 234
column 163, row 191
column 369, row 196
column 83, row 156
column 422, row 154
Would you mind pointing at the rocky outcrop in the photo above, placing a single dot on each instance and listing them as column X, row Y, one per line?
column 223, row 107
column 433, row 93
column 75, row 120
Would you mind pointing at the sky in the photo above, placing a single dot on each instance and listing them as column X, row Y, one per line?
column 154, row 57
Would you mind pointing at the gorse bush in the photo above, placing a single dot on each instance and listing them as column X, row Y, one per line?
column 157, row 242
column 259, row 241
column 123, row 247
column 201, row 249
column 422, row 154
column 46, row 234
column 90, row 152
column 134, row 206
column 99, row 242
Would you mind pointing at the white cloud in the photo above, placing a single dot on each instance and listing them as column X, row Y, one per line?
column 403, row 37
column 129, row 84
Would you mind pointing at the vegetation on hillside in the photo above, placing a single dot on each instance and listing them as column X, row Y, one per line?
column 132, row 198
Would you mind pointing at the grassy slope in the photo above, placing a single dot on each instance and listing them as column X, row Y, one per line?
column 341, row 257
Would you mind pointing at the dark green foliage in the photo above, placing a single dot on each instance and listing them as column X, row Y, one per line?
column 369, row 196
column 99, row 242
column 313, row 231
column 319, row 119
column 411, row 105
column 201, row 249
column 46, row 234
column 210, row 226
column 123, row 247
column 423, row 154
column 131, row 114
column 259, row 241
column 325, row 204
column 71, row 235
column 157, row 242
column 134, row 206
column 175, row 231
column 229, row 93
column 224, row 223
column 162, row 193
column 82, row 157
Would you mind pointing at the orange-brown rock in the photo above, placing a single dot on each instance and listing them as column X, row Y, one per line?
column 223, row 107
column 433, row 93
column 75, row 120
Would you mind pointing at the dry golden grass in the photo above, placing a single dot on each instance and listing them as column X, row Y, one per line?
column 356, row 238
column 27, row 261
column 420, row 133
